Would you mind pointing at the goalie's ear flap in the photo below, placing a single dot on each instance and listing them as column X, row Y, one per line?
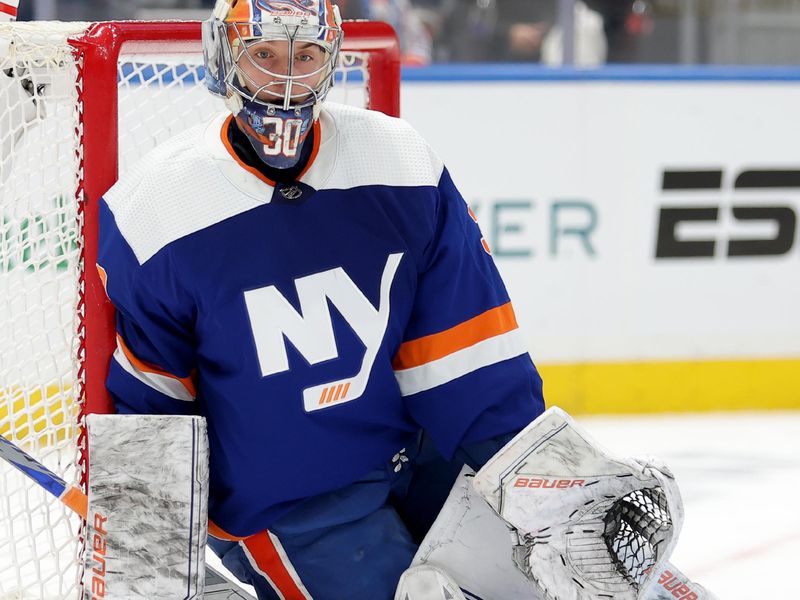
column 590, row 525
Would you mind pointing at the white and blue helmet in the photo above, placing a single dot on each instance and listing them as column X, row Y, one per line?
column 275, row 108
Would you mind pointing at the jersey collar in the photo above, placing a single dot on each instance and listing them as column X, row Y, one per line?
column 249, row 180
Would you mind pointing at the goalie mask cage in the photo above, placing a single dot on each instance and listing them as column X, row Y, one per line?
column 79, row 103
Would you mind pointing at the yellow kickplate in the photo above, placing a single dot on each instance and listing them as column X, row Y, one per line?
column 669, row 386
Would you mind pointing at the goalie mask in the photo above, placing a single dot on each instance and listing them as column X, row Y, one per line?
column 273, row 61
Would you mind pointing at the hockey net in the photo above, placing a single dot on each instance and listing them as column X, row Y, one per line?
column 79, row 104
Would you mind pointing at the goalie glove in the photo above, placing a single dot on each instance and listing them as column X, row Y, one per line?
column 586, row 525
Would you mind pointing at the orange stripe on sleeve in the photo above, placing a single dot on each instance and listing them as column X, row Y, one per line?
column 150, row 368
column 101, row 272
column 270, row 562
column 219, row 533
column 491, row 323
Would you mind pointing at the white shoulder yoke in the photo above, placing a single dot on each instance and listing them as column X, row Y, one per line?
column 181, row 187
column 374, row 149
column 192, row 181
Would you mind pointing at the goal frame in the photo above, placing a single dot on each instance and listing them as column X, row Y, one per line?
column 98, row 51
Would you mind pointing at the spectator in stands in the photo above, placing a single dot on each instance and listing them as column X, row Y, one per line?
column 626, row 22
column 415, row 39
column 489, row 30
column 510, row 31
column 590, row 47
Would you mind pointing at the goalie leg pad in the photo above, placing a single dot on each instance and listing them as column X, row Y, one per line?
column 148, row 507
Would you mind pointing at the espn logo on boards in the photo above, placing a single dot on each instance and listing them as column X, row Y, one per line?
column 536, row 482
column 778, row 215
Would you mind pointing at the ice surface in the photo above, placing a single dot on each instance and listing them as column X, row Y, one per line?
column 739, row 475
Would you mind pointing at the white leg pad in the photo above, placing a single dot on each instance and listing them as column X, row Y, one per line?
column 148, row 507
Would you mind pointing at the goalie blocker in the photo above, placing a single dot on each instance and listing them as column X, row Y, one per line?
column 584, row 525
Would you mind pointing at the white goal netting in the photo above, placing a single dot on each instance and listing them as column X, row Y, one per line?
column 43, row 122
column 39, row 258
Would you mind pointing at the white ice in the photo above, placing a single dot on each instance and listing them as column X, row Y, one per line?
column 738, row 474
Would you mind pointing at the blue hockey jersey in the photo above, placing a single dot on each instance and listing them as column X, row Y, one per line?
column 317, row 326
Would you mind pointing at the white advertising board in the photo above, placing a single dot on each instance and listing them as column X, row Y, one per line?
column 632, row 220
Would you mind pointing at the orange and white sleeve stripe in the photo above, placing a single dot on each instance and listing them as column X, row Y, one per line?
column 179, row 388
column 433, row 360
column 267, row 556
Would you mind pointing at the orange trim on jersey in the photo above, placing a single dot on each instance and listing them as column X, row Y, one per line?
column 146, row 367
column 269, row 561
column 76, row 501
column 101, row 272
column 219, row 533
column 224, row 137
column 432, row 347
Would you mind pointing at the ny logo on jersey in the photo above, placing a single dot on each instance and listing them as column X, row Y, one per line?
column 272, row 318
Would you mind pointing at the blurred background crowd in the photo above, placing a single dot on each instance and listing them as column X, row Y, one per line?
column 601, row 31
